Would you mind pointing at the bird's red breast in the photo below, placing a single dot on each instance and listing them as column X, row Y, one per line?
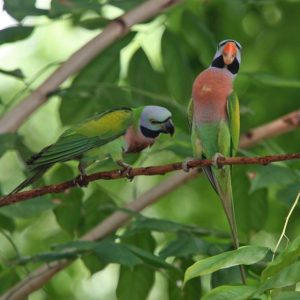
column 135, row 141
column 210, row 91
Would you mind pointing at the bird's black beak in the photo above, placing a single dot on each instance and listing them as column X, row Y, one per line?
column 169, row 127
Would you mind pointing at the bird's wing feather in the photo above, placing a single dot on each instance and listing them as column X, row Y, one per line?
column 233, row 110
column 190, row 111
column 92, row 133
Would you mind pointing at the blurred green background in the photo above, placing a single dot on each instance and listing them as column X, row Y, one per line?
column 155, row 64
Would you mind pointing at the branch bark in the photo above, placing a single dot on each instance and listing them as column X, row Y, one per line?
column 147, row 171
column 117, row 29
column 279, row 126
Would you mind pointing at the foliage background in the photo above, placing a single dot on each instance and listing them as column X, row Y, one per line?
column 155, row 64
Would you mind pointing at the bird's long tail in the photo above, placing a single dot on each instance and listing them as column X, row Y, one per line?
column 220, row 180
column 35, row 176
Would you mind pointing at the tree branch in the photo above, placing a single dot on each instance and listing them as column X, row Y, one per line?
column 279, row 126
column 148, row 171
column 117, row 29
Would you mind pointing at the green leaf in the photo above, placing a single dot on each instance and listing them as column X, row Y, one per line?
column 284, row 259
column 8, row 277
column 288, row 296
column 191, row 290
column 251, row 209
column 246, row 255
column 67, row 213
column 198, row 36
column 230, row 292
column 272, row 175
column 95, row 88
column 19, row 9
column 7, row 223
column 95, row 209
column 150, row 81
column 28, row 209
column 93, row 23
column 7, row 142
column 110, row 252
column 16, row 33
column 185, row 245
column 134, row 283
column 17, row 73
column 156, row 225
column 177, row 68
column 287, row 276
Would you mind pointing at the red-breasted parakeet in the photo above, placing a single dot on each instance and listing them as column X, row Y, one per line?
column 108, row 134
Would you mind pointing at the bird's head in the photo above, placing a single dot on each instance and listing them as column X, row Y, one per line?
column 155, row 120
column 228, row 56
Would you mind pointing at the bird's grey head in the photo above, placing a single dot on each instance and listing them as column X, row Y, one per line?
column 155, row 120
column 228, row 56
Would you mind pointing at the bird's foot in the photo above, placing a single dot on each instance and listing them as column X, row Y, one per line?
column 185, row 164
column 217, row 158
column 81, row 180
column 126, row 170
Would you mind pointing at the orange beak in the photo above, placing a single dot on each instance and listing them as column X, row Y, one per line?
column 229, row 53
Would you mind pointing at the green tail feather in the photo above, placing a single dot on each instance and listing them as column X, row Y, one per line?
column 34, row 177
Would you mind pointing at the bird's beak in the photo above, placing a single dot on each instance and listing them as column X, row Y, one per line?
column 229, row 53
column 169, row 127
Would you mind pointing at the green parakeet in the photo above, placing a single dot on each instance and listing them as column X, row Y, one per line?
column 215, row 121
column 109, row 134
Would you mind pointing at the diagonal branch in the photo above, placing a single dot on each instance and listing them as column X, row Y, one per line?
column 279, row 126
column 117, row 29
column 146, row 171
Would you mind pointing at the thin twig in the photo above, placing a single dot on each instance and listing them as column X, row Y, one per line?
column 148, row 171
column 285, row 225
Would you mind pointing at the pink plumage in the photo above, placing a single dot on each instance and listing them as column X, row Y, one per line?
column 136, row 141
column 210, row 91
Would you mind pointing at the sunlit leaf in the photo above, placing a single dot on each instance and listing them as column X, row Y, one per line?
column 275, row 81
column 284, row 259
column 288, row 296
column 246, row 255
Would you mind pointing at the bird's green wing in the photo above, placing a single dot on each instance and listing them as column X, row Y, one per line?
column 94, row 132
column 233, row 110
column 190, row 111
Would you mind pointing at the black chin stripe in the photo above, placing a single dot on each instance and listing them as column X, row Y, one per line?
column 219, row 63
column 149, row 133
column 234, row 66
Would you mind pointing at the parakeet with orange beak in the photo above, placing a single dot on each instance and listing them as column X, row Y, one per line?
column 215, row 121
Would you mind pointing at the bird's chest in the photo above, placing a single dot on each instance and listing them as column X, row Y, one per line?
column 135, row 141
column 210, row 92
